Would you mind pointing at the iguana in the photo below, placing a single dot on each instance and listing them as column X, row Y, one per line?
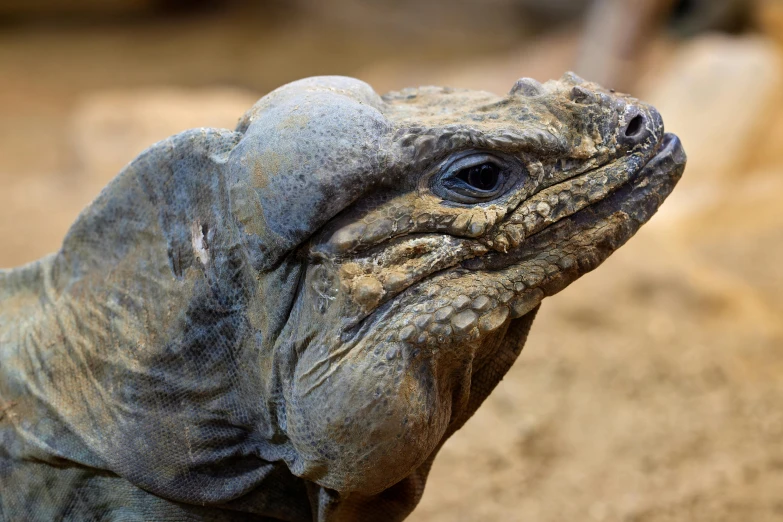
column 286, row 321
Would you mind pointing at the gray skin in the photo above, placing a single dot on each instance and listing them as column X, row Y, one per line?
column 286, row 321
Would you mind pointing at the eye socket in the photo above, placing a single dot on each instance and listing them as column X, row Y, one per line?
column 475, row 177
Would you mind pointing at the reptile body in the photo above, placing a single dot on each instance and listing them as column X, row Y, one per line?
column 286, row 321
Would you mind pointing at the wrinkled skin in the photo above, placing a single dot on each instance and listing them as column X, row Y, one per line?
column 288, row 320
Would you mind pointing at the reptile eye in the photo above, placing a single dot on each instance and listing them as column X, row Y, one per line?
column 484, row 177
column 475, row 177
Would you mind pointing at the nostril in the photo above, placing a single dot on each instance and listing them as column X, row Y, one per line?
column 635, row 126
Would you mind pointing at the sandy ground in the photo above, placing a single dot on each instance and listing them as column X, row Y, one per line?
column 650, row 390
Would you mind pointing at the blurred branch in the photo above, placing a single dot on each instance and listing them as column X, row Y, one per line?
column 615, row 34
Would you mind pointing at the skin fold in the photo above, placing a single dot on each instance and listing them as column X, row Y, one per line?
column 286, row 321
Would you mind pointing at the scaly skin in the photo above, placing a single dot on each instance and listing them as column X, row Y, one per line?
column 288, row 320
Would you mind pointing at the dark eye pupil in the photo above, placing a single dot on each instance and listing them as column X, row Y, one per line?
column 482, row 177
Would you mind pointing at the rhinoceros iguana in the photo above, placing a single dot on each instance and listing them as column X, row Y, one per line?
column 286, row 321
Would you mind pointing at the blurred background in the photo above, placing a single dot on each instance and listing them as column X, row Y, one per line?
column 652, row 389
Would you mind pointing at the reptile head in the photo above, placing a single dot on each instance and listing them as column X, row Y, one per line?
column 426, row 221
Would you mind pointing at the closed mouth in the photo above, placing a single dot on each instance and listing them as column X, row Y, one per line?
column 670, row 155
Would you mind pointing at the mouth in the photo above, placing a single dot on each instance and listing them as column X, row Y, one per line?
column 544, row 262
column 670, row 155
